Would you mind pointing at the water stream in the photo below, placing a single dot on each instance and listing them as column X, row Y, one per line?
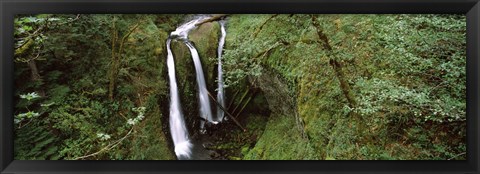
column 177, row 124
column 220, row 92
column 205, row 110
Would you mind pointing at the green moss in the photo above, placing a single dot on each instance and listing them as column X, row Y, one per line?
column 373, row 62
column 280, row 142
column 205, row 38
column 150, row 142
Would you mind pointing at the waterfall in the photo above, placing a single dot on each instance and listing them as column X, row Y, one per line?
column 177, row 124
column 220, row 92
column 183, row 30
column 205, row 110
column 182, row 34
column 178, row 128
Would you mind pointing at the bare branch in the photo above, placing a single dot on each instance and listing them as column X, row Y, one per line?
column 261, row 26
column 231, row 116
column 108, row 147
column 463, row 153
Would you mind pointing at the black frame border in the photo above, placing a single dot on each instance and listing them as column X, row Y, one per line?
column 8, row 8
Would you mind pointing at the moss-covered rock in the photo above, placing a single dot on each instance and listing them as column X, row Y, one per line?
column 205, row 38
column 280, row 142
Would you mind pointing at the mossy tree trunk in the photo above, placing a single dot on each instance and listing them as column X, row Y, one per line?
column 116, row 55
column 336, row 65
column 25, row 51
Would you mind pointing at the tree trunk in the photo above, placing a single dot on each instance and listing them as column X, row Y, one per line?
column 346, row 89
column 116, row 55
column 35, row 75
column 337, row 66
column 25, row 50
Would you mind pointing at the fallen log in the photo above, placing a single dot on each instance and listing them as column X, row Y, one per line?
column 241, row 100
column 246, row 103
column 233, row 99
column 231, row 116
column 213, row 18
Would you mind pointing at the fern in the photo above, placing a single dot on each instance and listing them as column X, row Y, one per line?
column 35, row 143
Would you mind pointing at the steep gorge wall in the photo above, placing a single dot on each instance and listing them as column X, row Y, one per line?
column 338, row 78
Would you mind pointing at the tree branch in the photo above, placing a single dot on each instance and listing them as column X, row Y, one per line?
column 463, row 153
column 261, row 27
column 245, row 104
column 116, row 64
column 231, row 116
column 126, row 36
column 108, row 147
column 337, row 66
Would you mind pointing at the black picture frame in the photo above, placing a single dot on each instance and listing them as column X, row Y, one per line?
column 8, row 8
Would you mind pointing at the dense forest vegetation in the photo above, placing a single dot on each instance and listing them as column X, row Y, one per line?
column 297, row 86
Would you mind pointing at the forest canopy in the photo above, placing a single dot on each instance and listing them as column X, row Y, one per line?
column 296, row 86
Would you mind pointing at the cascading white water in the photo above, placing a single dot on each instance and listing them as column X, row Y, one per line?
column 178, row 129
column 177, row 124
column 205, row 110
column 220, row 92
column 183, row 30
column 182, row 33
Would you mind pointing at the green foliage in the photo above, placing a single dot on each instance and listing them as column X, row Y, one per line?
column 140, row 117
column 28, row 115
column 405, row 71
column 74, row 56
column 29, row 96
column 36, row 142
column 241, row 61
column 32, row 139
